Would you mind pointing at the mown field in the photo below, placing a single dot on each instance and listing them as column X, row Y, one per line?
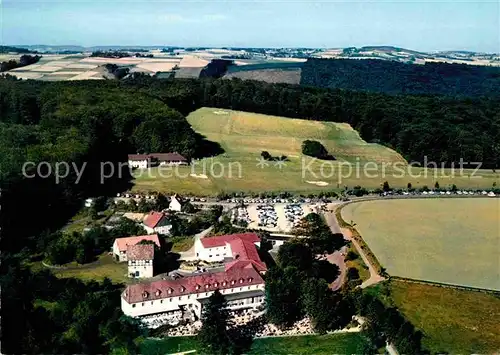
column 452, row 321
column 245, row 135
column 451, row 241
column 311, row 344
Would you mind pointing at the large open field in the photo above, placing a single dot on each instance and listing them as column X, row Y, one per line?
column 452, row 321
column 455, row 241
column 245, row 135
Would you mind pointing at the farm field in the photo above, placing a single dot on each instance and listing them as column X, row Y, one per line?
column 452, row 321
column 311, row 344
column 245, row 135
column 54, row 67
column 453, row 241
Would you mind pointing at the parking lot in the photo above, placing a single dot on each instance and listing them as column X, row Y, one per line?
column 278, row 217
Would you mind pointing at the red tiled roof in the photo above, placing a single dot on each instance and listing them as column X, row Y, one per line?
column 140, row 252
column 245, row 264
column 192, row 284
column 220, row 241
column 124, row 242
column 175, row 157
column 153, row 218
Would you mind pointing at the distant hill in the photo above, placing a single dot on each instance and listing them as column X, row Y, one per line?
column 401, row 78
column 8, row 49
column 389, row 49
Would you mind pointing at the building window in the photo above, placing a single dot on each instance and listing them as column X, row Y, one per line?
column 210, row 256
column 142, row 304
column 151, row 302
column 170, row 299
column 133, row 306
column 161, row 301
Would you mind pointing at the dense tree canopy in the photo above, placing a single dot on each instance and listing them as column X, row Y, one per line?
column 400, row 78
column 216, row 334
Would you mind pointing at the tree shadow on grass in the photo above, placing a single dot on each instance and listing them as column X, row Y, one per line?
column 206, row 148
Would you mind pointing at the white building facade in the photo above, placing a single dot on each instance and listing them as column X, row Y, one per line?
column 175, row 204
column 189, row 294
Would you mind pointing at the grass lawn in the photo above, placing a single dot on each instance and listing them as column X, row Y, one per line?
column 168, row 345
column 443, row 240
column 310, row 344
column 181, row 243
column 245, row 135
column 78, row 222
column 455, row 321
column 105, row 266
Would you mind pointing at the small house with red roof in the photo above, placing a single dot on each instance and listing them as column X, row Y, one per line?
column 157, row 222
column 121, row 245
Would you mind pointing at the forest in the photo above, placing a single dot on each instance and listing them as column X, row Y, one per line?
column 390, row 77
column 8, row 49
column 89, row 122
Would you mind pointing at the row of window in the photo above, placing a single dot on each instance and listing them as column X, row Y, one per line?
column 197, row 295
column 139, row 262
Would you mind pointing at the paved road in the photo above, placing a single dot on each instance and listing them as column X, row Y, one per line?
column 331, row 219
column 338, row 256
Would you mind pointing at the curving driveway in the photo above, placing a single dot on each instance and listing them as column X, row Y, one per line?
column 374, row 278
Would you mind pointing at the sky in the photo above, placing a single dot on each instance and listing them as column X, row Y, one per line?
column 420, row 25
